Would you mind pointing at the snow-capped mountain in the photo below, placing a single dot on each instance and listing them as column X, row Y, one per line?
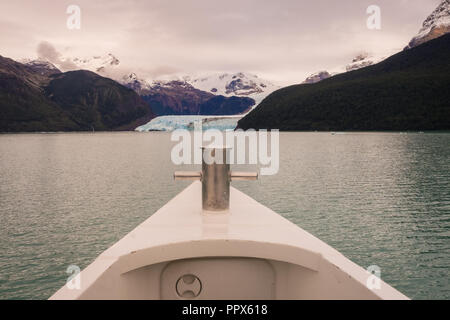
column 437, row 24
column 222, row 84
column 132, row 81
column 317, row 77
column 102, row 65
column 41, row 66
column 218, row 94
column 234, row 84
column 238, row 84
column 361, row 60
column 181, row 98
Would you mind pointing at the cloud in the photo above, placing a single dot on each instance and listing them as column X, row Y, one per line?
column 47, row 51
column 162, row 71
column 285, row 40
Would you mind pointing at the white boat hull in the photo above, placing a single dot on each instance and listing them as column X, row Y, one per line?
column 247, row 252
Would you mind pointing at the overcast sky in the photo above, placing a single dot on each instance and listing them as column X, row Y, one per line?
column 282, row 40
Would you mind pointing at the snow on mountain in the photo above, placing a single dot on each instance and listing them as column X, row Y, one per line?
column 234, row 84
column 227, row 84
column 38, row 63
column 435, row 25
column 41, row 66
column 317, row 77
column 361, row 60
column 102, row 65
column 183, row 92
column 132, row 81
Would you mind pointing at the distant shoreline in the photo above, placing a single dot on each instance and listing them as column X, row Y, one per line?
column 284, row 131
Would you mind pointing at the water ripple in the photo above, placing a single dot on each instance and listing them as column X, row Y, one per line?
column 380, row 198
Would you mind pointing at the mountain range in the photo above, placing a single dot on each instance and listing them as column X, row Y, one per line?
column 213, row 94
column 94, row 94
column 181, row 97
column 36, row 96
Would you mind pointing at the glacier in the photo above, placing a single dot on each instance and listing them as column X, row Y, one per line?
column 171, row 123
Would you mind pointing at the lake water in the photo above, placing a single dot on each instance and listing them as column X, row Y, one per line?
column 379, row 198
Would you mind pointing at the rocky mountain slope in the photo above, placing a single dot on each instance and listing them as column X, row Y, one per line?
column 408, row 91
column 102, row 64
column 361, row 60
column 436, row 25
column 317, row 77
column 178, row 97
column 169, row 97
column 238, row 84
column 38, row 97
column 43, row 67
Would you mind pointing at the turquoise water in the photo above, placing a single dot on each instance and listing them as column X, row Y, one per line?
column 379, row 198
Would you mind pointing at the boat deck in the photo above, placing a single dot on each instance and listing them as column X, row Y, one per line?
column 303, row 267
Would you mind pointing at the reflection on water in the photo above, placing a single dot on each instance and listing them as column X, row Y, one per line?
column 379, row 198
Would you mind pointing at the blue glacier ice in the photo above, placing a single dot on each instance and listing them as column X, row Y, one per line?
column 170, row 123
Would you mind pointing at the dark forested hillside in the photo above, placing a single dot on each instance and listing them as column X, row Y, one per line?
column 94, row 101
column 408, row 91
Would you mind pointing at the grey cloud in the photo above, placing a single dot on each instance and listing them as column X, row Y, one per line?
column 163, row 71
column 47, row 51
